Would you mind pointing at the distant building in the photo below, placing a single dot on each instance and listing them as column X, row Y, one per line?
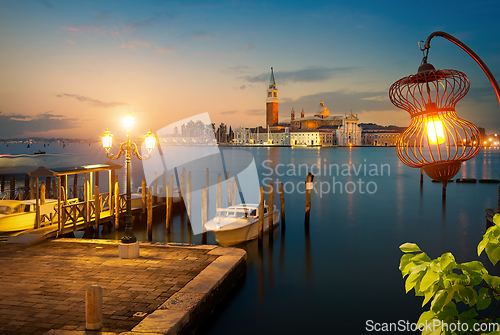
column 272, row 102
column 376, row 135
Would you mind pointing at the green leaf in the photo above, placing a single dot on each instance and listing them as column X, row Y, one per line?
column 426, row 316
column 493, row 252
column 496, row 219
column 429, row 279
column 412, row 280
column 482, row 301
column 482, row 245
column 429, row 294
column 405, row 260
column 447, row 259
column 409, row 247
column 467, row 295
column 421, row 258
column 493, row 281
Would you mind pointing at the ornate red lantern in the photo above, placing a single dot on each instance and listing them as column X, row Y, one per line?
column 437, row 140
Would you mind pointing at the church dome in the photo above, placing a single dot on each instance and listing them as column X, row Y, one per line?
column 322, row 111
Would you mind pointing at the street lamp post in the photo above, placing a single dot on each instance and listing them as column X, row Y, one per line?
column 437, row 140
column 128, row 148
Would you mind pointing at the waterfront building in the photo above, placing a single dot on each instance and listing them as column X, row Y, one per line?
column 376, row 135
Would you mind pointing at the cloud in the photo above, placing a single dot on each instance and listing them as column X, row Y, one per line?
column 255, row 112
column 229, row 112
column 94, row 29
column 165, row 49
column 242, row 87
column 92, row 102
column 384, row 97
column 134, row 45
column 310, row 74
column 17, row 125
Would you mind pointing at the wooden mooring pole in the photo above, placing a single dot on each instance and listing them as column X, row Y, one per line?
column 26, row 187
column 164, row 186
column 282, row 203
column 12, row 188
column 228, row 182
column 117, row 205
column 48, row 186
column 143, row 195
column 155, row 187
column 32, row 188
column 150, row 216
column 271, row 209
column 218, row 201
column 97, row 209
column 42, row 194
column 204, row 213
column 309, row 188
column 75, row 186
column 261, row 213
column 2, row 184
column 168, row 209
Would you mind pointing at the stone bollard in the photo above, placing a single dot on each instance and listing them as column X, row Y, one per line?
column 93, row 307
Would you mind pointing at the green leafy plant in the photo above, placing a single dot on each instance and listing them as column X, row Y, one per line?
column 457, row 292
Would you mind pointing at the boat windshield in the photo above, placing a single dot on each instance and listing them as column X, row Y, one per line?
column 6, row 210
column 232, row 214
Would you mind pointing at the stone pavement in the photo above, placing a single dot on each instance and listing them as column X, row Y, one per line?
column 43, row 286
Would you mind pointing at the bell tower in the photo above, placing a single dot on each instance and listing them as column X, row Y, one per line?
column 272, row 102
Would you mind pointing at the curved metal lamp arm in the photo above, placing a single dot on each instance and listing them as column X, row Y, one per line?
column 469, row 51
column 122, row 150
column 135, row 152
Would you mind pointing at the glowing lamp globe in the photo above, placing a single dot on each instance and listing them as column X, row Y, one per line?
column 150, row 140
column 437, row 140
column 107, row 139
column 128, row 121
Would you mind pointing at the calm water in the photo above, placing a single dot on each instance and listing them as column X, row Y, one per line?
column 343, row 271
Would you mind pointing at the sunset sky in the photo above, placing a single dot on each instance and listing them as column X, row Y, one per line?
column 73, row 68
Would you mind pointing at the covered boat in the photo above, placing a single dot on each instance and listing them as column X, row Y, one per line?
column 237, row 224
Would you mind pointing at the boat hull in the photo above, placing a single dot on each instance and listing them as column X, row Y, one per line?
column 17, row 222
column 239, row 235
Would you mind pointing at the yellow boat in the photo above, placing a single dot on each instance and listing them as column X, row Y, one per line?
column 16, row 215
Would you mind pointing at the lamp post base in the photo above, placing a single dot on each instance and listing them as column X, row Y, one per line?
column 128, row 250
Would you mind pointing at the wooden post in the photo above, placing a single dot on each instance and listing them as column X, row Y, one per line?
column 2, row 184
column 164, row 186
column 168, row 208
column 61, row 201
column 155, row 187
column 228, row 183
column 271, row 208
column 26, row 186
column 235, row 192
column 183, row 183
column 54, row 189
column 48, row 185
column 42, row 194
column 218, row 201
column 12, row 188
column 75, row 186
column 189, row 196
column 37, row 197
column 421, row 177
column 282, row 202
column 97, row 209
column 93, row 308
column 117, row 205
column 309, row 188
column 110, row 193
column 150, row 215
column 445, row 183
column 204, row 213
column 32, row 188
column 261, row 213
column 143, row 195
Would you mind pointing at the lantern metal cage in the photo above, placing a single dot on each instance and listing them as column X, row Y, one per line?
column 437, row 140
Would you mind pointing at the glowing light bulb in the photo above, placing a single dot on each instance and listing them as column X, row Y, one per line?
column 435, row 131
column 128, row 121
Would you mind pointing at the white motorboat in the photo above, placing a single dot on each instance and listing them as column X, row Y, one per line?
column 16, row 215
column 237, row 224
